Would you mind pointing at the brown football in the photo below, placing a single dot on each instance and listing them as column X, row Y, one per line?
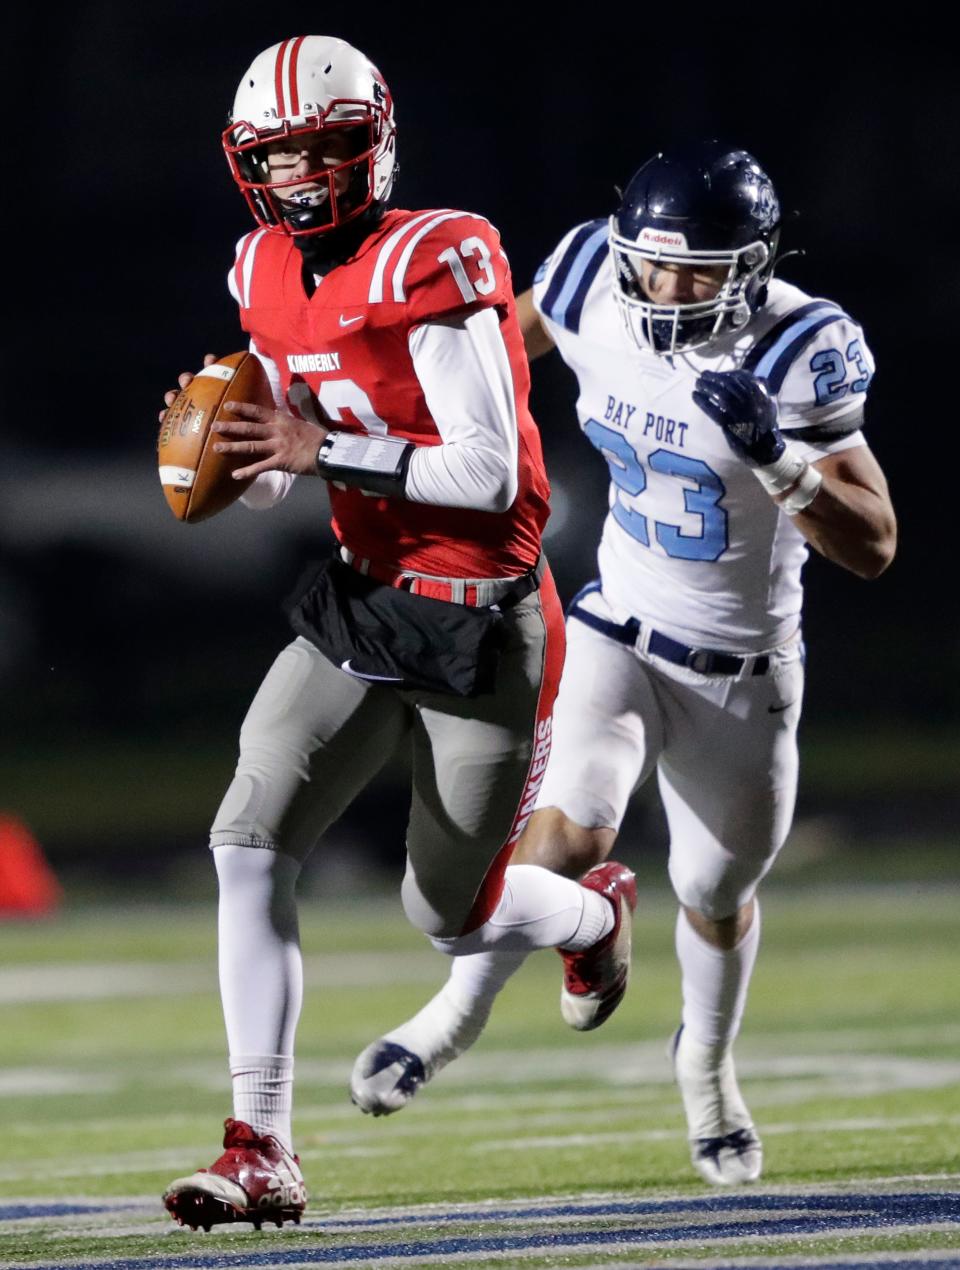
column 197, row 482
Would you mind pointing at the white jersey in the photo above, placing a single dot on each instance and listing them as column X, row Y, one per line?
column 693, row 544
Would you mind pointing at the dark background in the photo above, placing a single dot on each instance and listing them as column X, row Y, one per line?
column 131, row 644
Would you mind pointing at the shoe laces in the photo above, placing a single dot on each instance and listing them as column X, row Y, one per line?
column 238, row 1134
column 739, row 1141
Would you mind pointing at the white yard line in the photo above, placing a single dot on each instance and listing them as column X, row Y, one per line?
column 905, row 1182
column 322, row 1212
column 358, row 1145
column 30, row 1082
column 640, row 1066
column 644, row 1063
column 568, row 1140
column 100, row 981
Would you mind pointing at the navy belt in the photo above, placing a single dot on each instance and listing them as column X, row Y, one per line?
column 706, row 661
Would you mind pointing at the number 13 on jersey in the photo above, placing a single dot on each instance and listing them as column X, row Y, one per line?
column 471, row 248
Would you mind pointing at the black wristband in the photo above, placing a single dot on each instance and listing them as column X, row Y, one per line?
column 375, row 464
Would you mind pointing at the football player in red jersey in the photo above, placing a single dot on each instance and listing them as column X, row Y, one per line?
column 392, row 343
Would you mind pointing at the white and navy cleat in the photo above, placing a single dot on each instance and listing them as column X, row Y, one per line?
column 724, row 1146
column 388, row 1073
column 385, row 1077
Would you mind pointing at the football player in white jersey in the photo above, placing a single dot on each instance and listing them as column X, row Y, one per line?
column 729, row 407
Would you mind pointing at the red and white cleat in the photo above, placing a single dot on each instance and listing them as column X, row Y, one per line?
column 255, row 1180
column 595, row 979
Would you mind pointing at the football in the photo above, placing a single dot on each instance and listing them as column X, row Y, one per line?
column 197, row 482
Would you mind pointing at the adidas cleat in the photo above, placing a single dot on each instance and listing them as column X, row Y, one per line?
column 595, row 979
column 255, row 1180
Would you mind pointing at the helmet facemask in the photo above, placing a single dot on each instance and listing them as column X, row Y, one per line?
column 310, row 203
column 666, row 329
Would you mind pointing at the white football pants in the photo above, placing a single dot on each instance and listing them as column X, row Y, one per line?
column 724, row 749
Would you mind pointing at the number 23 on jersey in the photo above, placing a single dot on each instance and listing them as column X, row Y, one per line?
column 700, row 499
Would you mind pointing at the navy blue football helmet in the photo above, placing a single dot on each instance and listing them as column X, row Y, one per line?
column 704, row 206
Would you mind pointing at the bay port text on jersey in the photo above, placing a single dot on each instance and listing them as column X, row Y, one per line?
column 670, row 431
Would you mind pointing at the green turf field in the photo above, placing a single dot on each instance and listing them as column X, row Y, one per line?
column 541, row 1147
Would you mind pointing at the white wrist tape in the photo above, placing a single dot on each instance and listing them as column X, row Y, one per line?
column 786, row 471
column 790, row 472
column 806, row 491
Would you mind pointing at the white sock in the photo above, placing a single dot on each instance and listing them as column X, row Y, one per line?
column 451, row 1022
column 477, row 980
column 714, row 983
column 538, row 909
column 261, row 980
column 596, row 921
column 263, row 1093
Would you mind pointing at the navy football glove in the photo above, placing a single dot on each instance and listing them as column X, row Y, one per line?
column 740, row 404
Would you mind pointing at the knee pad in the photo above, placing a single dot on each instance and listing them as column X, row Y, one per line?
column 721, row 892
column 450, row 947
column 475, row 941
column 421, row 913
column 423, row 909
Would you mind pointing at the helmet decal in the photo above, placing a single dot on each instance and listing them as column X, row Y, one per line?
column 662, row 238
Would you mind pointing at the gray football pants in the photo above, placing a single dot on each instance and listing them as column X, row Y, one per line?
column 315, row 736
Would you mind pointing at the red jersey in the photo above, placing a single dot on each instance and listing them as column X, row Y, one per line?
column 346, row 348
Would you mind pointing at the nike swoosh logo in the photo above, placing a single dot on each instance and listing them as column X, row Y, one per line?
column 350, row 321
column 359, row 674
column 779, row 709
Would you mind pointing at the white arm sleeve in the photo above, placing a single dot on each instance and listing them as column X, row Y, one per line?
column 464, row 370
column 272, row 373
column 269, row 488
